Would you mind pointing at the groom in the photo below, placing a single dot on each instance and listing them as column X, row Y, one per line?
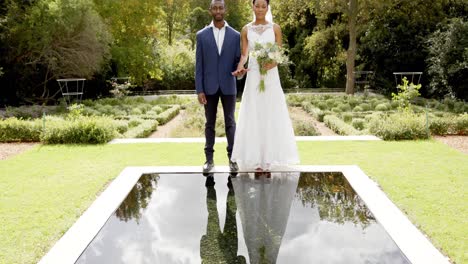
column 217, row 56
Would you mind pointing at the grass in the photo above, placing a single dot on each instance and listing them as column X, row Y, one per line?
column 44, row 191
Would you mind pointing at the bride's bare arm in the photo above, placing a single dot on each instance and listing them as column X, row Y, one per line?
column 278, row 35
column 244, row 51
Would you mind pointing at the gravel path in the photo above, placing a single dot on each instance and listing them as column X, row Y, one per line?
column 297, row 113
column 8, row 150
column 164, row 131
column 457, row 142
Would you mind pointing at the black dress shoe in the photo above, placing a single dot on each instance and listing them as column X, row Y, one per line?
column 233, row 166
column 208, row 166
column 209, row 182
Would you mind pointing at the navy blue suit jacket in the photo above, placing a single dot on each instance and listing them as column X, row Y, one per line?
column 213, row 70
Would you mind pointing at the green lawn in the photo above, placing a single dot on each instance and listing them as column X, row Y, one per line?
column 44, row 191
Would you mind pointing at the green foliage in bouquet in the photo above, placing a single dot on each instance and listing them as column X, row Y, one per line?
column 267, row 53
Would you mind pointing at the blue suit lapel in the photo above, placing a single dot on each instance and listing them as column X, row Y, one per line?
column 226, row 39
column 212, row 40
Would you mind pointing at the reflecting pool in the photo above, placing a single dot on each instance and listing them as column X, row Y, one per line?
column 293, row 217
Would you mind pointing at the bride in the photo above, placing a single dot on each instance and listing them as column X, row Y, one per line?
column 264, row 137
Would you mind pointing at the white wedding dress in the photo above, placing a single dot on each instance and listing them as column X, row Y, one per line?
column 264, row 135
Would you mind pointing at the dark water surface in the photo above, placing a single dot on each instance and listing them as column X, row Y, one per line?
column 278, row 218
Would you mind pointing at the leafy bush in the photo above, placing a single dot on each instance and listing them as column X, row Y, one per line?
column 461, row 124
column 382, row 107
column 336, row 110
column 406, row 92
column 315, row 112
column 365, row 106
column 339, row 126
column 440, row 126
column 134, row 122
column 14, row 130
column 121, row 126
column 30, row 111
column 167, row 115
column 347, row 117
column 177, row 64
column 357, row 109
column 303, row 128
column 401, row 126
column 136, row 111
column 358, row 123
column 80, row 130
column 143, row 130
column 295, row 100
column 344, row 107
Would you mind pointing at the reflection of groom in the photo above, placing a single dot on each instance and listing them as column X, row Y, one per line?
column 217, row 246
column 217, row 56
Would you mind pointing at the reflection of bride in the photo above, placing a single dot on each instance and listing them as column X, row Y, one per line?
column 264, row 206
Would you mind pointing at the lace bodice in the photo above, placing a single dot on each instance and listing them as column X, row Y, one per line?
column 258, row 33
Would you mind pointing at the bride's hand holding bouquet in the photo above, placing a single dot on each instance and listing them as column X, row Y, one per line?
column 268, row 56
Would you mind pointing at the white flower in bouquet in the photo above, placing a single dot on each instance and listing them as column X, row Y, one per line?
column 267, row 53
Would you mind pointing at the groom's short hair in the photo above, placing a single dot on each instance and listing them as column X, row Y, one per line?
column 213, row 1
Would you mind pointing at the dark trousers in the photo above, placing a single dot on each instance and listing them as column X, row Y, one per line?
column 211, row 107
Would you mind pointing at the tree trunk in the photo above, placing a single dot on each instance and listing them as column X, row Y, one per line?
column 353, row 7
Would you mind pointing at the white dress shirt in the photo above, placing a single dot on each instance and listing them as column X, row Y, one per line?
column 219, row 34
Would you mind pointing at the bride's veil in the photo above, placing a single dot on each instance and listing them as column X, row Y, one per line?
column 268, row 16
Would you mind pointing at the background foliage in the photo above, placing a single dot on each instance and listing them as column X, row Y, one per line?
column 42, row 40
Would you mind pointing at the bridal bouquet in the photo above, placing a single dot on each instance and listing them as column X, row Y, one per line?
column 266, row 53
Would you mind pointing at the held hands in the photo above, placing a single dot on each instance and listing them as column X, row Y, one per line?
column 240, row 71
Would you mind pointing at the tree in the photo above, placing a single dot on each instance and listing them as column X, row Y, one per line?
column 133, row 24
column 197, row 20
column 448, row 59
column 174, row 11
column 350, row 9
column 50, row 39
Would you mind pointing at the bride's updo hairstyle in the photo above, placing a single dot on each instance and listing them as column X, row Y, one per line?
column 268, row 2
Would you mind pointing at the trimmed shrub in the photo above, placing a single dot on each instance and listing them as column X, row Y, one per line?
column 382, row 107
column 81, row 130
column 313, row 111
column 134, row 122
column 136, row 111
column 401, row 126
column 339, row 126
column 358, row 123
column 375, row 115
column 143, row 130
column 336, row 110
column 347, row 117
column 295, row 100
column 322, row 106
column 365, row 107
column 303, row 128
column 440, row 126
column 17, row 130
column 353, row 101
column 461, row 124
column 358, row 109
column 157, row 109
column 344, row 107
column 330, row 103
column 168, row 115
column 121, row 126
